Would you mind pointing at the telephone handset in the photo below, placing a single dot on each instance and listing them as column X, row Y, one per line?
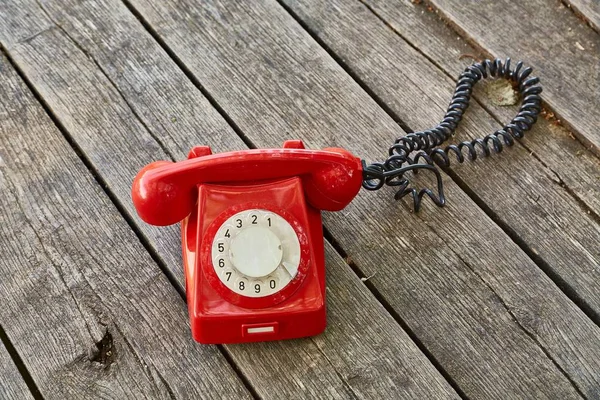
column 251, row 234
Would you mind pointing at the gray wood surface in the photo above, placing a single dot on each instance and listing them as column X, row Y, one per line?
column 309, row 100
column 88, row 310
column 588, row 10
column 548, row 35
column 364, row 352
column 12, row 385
column 418, row 93
column 574, row 166
column 535, row 196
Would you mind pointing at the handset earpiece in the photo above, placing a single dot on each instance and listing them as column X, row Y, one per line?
column 160, row 195
column 334, row 185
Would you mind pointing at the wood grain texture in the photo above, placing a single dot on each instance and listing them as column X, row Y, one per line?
column 573, row 166
column 349, row 359
column 588, row 10
column 537, row 181
column 565, row 51
column 278, row 90
column 371, row 354
column 417, row 91
column 89, row 312
column 12, row 385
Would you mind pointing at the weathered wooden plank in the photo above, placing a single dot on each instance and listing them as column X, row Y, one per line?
column 417, row 91
column 340, row 363
column 589, row 10
column 89, row 313
column 533, row 198
column 312, row 93
column 565, row 51
column 12, row 385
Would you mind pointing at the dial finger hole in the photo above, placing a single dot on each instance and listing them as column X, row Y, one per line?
column 220, row 248
column 241, row 285
column 253, row 218
column 258, row 288
column 228, row 276
column 221, row 261
column 272, row 283
column 226, row 232
column 267, row 220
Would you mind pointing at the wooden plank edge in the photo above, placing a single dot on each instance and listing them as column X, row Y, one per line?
column 15, row 381
column 585, row 12
column 588, row 143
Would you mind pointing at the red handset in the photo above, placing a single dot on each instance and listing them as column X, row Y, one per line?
column 251, row 234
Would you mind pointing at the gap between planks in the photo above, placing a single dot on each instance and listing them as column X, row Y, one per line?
column 19, row 365
column 390, row 309
column 583, row 9
column 514, row 236
column 121, row 209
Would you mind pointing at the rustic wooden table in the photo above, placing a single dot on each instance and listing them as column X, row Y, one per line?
column 496, row 295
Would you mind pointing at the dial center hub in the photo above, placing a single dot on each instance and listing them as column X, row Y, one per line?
column 256, row 252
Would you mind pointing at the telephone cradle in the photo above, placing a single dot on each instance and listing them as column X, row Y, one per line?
column 251, row 234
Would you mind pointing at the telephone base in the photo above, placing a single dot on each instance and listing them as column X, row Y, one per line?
column 226, row 306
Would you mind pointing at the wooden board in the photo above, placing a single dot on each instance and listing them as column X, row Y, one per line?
column 550, row 142
column 588, row 10
column 89, row 312
column 411, row 87
column 312, row 104
column 565, row 51
column 349, row 359
column 12, row 385
column 573, row 166
column 531, row 200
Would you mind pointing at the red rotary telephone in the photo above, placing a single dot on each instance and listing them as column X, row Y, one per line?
column 251, row 230
column 251, row 234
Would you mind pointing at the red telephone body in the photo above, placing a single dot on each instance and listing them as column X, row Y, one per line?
column 252, row 235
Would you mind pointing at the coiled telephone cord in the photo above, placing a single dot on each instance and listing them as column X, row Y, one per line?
column 400, row 161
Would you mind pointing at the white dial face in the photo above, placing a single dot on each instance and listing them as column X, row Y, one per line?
column 256, row 253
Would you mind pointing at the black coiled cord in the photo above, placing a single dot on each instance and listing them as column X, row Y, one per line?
column 391, row 172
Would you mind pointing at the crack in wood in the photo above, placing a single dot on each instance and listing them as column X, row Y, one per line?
column 103, row 352
column 581, row 15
